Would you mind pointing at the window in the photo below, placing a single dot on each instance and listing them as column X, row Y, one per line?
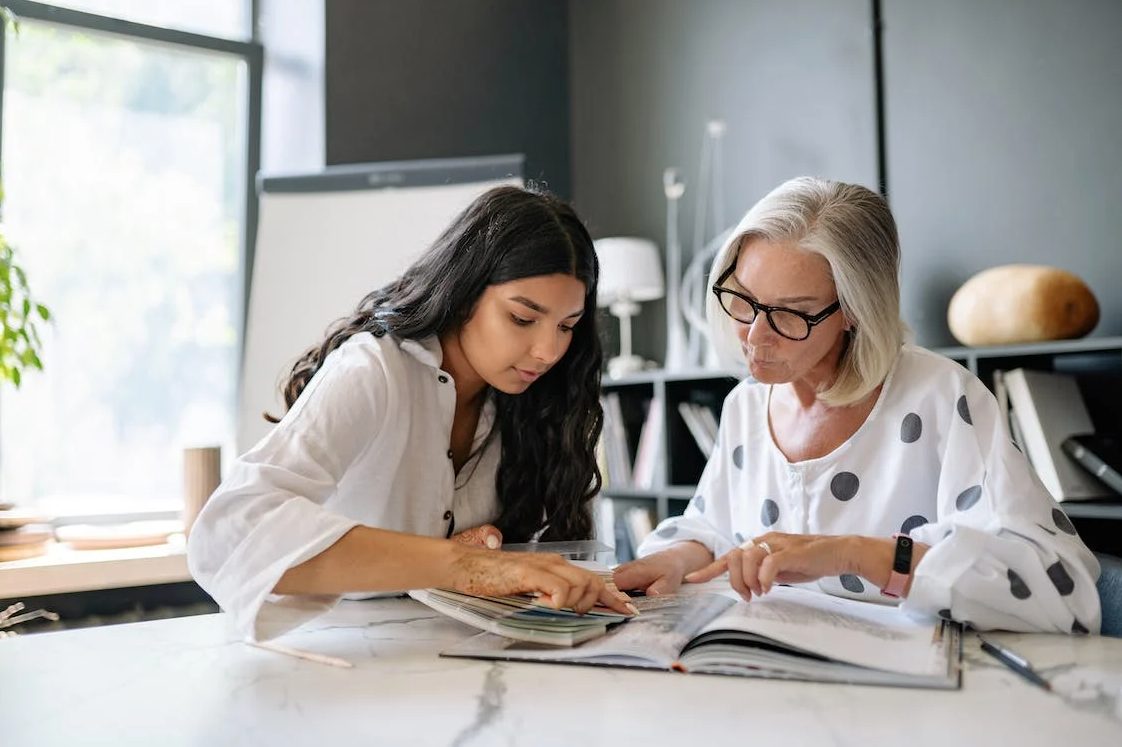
column 225, row 18
column 126, row 181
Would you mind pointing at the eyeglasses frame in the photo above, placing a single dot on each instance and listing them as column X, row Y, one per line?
column 811, row 320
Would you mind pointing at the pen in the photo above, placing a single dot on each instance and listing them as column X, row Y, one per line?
column 331, row 661
column 1016, row 662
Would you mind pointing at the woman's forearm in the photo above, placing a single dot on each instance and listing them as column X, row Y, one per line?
column 368, row 559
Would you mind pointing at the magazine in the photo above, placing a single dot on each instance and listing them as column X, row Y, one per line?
column 790, row 633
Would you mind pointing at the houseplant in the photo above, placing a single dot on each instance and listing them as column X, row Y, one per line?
column 20, row 344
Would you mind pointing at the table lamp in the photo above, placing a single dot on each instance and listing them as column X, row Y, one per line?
column 630, row 272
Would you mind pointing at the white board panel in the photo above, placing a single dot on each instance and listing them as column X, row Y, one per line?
column 326, row 240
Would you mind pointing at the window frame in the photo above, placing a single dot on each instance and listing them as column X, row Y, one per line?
column 252, row 53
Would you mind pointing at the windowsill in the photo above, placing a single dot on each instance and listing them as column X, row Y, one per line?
column 63, row 570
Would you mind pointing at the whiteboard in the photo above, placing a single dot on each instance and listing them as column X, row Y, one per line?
column 325, row 240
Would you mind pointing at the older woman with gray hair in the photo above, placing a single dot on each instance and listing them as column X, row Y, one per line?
column 851, row 459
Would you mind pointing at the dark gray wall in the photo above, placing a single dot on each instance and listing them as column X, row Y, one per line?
column 448, row 78
column 1004, row 124
column 1002, row 119
column 793, row 80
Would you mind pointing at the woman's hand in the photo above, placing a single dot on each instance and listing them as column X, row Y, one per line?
column 787, row 558
column 662, row 572
column 487, row 536
column 560, row 583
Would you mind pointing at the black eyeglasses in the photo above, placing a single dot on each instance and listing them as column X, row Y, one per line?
column 789, row 323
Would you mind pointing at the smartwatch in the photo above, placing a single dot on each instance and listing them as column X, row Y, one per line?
column 901, row 567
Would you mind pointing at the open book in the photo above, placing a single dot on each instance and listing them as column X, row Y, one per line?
column 790, row 633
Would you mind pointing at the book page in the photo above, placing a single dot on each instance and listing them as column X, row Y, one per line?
column 846, row 630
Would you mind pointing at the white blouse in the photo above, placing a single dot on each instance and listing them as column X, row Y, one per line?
column 367, row 442
column 934, row 459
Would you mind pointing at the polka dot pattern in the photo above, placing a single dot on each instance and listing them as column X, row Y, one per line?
column 1059, row 518
column 1017, row 586
column 844, row 486
column 738, row 457
column 699, row 503
column 851, row 583
column 668, row 531
column 739, row 538
column 1061, row 579
column 769, row 513
column 911, row 428
column 945, row 614
column 911, row 523
column 967, row 498
column 964, row 410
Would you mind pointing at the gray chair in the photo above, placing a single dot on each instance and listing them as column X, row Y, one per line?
column 1110, row 594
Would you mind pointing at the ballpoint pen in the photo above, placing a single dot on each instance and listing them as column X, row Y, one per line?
column 1014, row 661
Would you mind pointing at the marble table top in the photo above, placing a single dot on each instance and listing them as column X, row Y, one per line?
column 189, row 681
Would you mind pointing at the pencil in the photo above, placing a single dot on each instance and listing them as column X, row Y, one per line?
column 1014, row 661
column 308, row 655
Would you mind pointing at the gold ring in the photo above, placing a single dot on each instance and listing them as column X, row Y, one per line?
column 765, row 547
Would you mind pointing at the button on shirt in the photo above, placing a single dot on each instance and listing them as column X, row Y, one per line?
column 365, row 443
column 933, row 459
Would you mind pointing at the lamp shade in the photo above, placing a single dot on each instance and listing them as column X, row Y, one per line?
column 630, row 270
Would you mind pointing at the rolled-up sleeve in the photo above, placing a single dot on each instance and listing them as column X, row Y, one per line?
column 268, row 514
column 1003, row 554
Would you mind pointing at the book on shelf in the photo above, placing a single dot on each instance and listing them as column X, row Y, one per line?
column 1100, row 455
column 614, row 436
column 646, row 456
column 1001, row 393
column 640, row 522
column 1048, row 408
column 790, row 633
column 697, row 424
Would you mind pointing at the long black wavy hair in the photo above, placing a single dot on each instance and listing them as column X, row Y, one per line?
column 547, row 470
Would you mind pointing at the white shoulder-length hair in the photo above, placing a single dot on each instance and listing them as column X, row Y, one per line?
column 854, row 230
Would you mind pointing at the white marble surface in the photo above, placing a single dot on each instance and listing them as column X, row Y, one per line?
column 188, row 682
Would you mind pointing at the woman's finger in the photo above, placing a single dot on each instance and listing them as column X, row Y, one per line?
column 638, row 574
column 553, row 590
column 736, row 574
column 618, row 601
column 662, row 585
column 587, row 600
column 771, row 566
column 750, row 571
column 709, row 572
column 577, row 592
column 492, row 537
column 482, row 536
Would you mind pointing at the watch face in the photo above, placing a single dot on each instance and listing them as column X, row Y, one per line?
column 902, row 562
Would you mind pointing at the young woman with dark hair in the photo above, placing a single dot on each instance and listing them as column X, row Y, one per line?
column 463, row 395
